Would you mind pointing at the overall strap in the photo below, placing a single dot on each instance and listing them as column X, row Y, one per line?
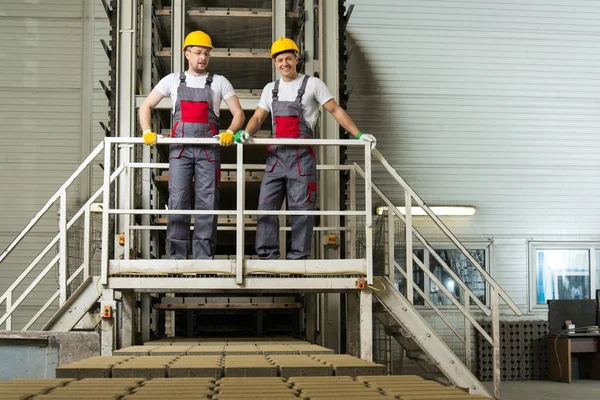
column 182, row 79
column 276, row 91
column 209, row 79
column 302, row 88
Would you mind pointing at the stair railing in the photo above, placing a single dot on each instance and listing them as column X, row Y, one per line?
column 496, row 291
column 60, row 240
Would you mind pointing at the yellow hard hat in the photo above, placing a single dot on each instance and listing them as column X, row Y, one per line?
column 283, row 44
column 197, row 38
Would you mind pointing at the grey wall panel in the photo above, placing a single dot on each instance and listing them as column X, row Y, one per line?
column 40, row 134
column 486, row 103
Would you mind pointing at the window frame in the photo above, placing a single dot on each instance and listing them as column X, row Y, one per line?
column 534, row 245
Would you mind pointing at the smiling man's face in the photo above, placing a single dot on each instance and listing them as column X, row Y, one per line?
column 286, row 65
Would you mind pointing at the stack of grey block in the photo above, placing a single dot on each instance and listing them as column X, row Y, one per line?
column 523, row 351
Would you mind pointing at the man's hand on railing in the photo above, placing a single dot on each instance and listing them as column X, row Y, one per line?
column 241, row 137
column 225, row 138
column 149, row 137
column 365, row 137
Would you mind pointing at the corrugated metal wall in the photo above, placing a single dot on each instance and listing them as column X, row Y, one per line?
column 41, row 97
column 494, row 104
column 100, row 101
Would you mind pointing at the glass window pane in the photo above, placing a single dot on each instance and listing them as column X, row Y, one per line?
column 418, row 274
column 562, row 274
column 465, row 271
column 597, row 273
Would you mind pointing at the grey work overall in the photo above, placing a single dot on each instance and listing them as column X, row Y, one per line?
column 194, row 117
column 290, row 171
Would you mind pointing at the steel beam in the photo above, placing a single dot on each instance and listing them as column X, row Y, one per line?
column 219, row 285
column 177, row 35
column 125, row 110
column 146, row 48
column 278, row 25
column 107, row 334
column 87, row 97
column 366, row 325
column 127, row 316
column 352, row 324
column 146, row 313
column 330, row 180
column 228, row 267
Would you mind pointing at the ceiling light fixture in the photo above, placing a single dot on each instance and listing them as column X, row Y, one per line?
column 437, row 210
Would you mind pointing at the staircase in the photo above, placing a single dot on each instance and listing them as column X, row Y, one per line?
column 421, row 342
column 242, row 275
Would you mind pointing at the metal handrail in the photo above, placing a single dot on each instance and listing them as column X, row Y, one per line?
column 125, row 146
column 52, row 199
column 62, row 285
column 414, row 196
column 422, row 239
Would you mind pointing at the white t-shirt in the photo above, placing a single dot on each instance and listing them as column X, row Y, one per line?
column 315, row 95
column 220, row 86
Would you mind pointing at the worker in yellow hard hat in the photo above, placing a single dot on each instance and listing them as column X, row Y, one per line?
column 196, row 95
column 291, row 171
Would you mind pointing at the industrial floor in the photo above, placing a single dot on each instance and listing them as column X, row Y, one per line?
column 230, row 369
column 545, row 390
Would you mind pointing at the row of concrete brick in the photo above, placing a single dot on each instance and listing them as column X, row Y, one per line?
column 218, row 366
column 404, row 387
column 214, row 349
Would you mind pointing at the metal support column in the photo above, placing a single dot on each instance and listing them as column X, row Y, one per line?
column 330, row 182
column 366, row 325
column 310, row 41
column 107, row 334
column 87, row 98
column 127, row 315
column 311, row 316
column 125, row 104
column 278, row 24
column 146, row 188
column 353, row 324
column 177, row 35
column 145, row 318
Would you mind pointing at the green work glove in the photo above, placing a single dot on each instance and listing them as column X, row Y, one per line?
column 241, row 136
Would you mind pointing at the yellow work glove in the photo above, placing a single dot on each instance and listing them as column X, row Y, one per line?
column 149, row 137
column 226, row 138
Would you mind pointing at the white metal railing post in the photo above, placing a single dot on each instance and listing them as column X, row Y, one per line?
column 62, row 245
column 87, row 231
column 8, row 323
column 127, row 186
column 352, row 218
column 105, row 211
column 240, row 206
column 368, row 215
column 409, row 246
column 391, row 241
column 467, row 304
column 496, row 361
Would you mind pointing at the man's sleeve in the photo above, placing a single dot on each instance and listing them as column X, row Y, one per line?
column 164, row 85
column 265, row 98
column 226, row 89
column 322, row 93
